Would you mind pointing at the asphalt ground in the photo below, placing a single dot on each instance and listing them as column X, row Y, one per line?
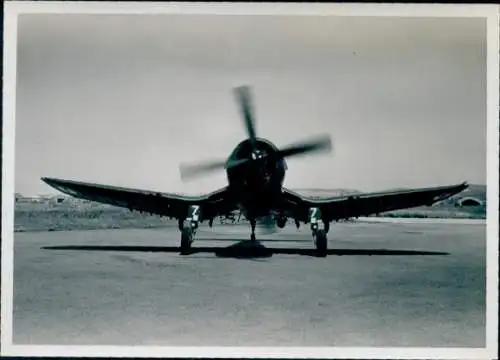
column 382, row 284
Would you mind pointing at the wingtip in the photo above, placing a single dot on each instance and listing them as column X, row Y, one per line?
column 49, row 181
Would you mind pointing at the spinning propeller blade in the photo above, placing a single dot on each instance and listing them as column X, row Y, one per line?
column 323, row 143
column 268, row 225
column 189, row 171
column 244, row 100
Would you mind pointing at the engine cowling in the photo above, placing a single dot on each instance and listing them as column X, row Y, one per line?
column 281, row 221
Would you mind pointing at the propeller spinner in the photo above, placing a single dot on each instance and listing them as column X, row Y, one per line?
column 244, row 100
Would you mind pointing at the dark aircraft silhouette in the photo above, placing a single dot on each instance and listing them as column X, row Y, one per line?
column 255, row 173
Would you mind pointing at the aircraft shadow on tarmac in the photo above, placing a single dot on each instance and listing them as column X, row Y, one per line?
column 243, row 249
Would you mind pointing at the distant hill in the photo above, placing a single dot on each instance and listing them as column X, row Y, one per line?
column 474, row 190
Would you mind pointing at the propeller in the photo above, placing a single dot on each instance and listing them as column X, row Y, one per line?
column 322, row 143
column 243, row 97
column 314, row 145
column 267, row 225
column 192, row 170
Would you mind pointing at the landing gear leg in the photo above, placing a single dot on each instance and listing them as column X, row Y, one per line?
column 321, row 242
column 253, row 223
column 319, row 230
column 187, row 236
column 188, row 228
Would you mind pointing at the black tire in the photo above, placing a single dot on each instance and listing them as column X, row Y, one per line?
column 321, row 243
column 186, row 240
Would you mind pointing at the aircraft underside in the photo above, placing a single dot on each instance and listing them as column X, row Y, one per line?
column 319, row 229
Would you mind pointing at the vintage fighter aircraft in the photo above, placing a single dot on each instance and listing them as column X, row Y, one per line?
column 255, row 173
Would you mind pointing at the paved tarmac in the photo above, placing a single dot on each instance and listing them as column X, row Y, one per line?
column 381, row 285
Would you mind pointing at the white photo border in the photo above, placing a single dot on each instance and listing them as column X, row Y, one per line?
column 14, row 8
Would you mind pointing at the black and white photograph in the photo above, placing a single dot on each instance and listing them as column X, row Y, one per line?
column 250, row 180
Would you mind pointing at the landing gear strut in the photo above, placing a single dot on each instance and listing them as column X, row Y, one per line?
column 319, row 230
column 321, row 242
column 253, row 223
column 187, row 238
column 188, row 229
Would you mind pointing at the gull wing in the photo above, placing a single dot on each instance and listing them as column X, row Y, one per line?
column 344, row 207
column 214, row 204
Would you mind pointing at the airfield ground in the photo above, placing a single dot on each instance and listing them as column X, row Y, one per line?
column 381, row 285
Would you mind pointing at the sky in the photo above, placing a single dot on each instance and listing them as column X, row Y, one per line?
column 124, row 99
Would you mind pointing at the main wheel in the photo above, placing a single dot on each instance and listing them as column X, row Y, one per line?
column 321, row 242
column 186, row 239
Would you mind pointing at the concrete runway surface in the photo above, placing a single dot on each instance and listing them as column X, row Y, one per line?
column 381, row 285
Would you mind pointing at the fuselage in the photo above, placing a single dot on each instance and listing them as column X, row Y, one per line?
column 256, row 185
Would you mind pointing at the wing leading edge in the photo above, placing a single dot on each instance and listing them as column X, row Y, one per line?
column 344, row 207
column 165, row 204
